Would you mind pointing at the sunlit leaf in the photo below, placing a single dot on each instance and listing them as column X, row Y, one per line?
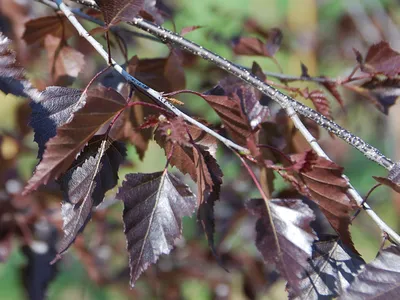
column 379, row 279
column 284, row 235
column 328, row 189
column 330, row 271
column 101, row 106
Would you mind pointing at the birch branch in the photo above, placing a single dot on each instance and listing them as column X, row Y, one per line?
column 286, row 102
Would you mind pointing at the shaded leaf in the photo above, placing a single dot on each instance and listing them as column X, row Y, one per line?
column 38, row 272
column 230, row 112
column 284, row 235
column 175, row 131
column 85, row 184
column 36, row 30
column 254, row 46
column 274, row 41
column 209, row 181
column 65, row 62
column 115, row 11
column 183, row 150
column 249, row 46
column 154, row 205
column 327, row 188
column 381, row 59
column 380, row 279
column 333, row 90
column 383, row 93
column 53, row 108
column 393, row 178
column 101, row 106
column 162, row 74
column 192, row 153
column 12, row 77
column 330, row 271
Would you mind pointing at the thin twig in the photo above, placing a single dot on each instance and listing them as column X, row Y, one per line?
column 138, row 84
column 289, row 104
column 286, row 102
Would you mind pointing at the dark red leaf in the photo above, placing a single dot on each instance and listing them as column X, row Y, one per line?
column 328, row 189
column 115, row 11
column 58, row 26
column 230, row 112
column 332, row 88
column 381, row 59
column 254, row 46
column 393, row 178
column 183, row 151
column 162, row 74
column 154, row 205
column 304, row 70
column 189, row 29
column 191, row 147
column 249, row 46
column 284, row 235
column 320, row 102
column 379, row 280
column 101, row 106
column 65, row 62
column 37, row 273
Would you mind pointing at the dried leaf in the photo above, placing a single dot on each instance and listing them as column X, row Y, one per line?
column 154, row 205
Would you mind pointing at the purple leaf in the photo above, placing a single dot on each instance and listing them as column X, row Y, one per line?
column 115, row 11
column 12, row 77
column 154, row 205
column 330, row 271
column 380, row 279
column 284, row 235
column 85, row 183
column 53, row 108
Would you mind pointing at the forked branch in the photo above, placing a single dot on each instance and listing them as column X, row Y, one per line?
column 289, row 104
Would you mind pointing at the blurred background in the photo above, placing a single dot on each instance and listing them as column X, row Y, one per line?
column 321, row 34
